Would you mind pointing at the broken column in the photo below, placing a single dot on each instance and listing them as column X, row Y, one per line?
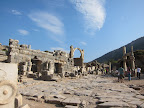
column 132, row 58
column 29, row 73
column 124, row 58
column 24, row 68
column 71, row 51
column 109, row 67
column 29, row 65
column 82, row 56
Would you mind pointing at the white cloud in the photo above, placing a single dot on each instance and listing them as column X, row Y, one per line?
column 83, row 43
column 59, row 48
column 16, row 12
column 94, row 13
column 48, row 22
column 23, row 32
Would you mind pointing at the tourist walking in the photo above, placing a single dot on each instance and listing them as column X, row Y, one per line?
column 121, row 76
column 129, row 74
column 118, row 74
column 105, row 71
column 138, row 72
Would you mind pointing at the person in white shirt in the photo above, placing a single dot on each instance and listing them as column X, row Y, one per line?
column 138, row 72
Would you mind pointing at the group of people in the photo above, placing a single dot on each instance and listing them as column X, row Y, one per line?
column 121, row 74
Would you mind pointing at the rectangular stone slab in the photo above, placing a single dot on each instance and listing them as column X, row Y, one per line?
column 71, row 101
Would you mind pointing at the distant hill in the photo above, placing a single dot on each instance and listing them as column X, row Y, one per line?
column 137, row 44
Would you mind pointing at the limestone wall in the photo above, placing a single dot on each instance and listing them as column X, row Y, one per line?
column 23, row 53
column 18, row 55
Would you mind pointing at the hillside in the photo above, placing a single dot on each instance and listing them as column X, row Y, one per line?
column 137, row 44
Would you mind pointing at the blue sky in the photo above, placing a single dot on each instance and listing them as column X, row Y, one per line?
column 97, row 26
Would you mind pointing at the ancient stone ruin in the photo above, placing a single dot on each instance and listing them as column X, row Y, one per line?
column 41, row 64
column 127, row 62
column 46, row 65
column 128, row 59
column 18, row 61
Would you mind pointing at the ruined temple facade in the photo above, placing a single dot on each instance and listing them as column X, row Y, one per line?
column 128, row 59
column 42, row 63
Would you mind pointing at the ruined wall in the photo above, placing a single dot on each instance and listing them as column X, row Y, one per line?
column 23, row 53
column 3, row 53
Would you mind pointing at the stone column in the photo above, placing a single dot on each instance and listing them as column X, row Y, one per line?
column 124, row 50
column 82, row 56
column 46, row 66
column 132, row 58
column 71, row 51
column 132, row 50
column 124, row 58
column 109, row 67
column 24, row 68
column 29, row 66
column 124, row 63
column 51, row 67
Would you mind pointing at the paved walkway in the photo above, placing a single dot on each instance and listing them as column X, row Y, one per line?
column 89, row 91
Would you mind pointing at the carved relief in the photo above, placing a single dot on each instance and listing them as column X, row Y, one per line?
column 7, row 91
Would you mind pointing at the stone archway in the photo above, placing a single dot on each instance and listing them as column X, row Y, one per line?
column 77, row 61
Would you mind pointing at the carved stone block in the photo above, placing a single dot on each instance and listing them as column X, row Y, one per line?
column 8, row 84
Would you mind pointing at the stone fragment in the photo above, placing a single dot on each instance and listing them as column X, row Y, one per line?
column 71, row 101
column 18, row 100
column 136, row 102
column 69, row 106
column 59, row 96
column 31, row 98
column 67, row 92
column 53, row 100
column 136, row 88
column 24, row 106
column 102, row 100
column 140, row 97
column 39, row 95
column 112, row 104
column 83, row 93
column 83, row 104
